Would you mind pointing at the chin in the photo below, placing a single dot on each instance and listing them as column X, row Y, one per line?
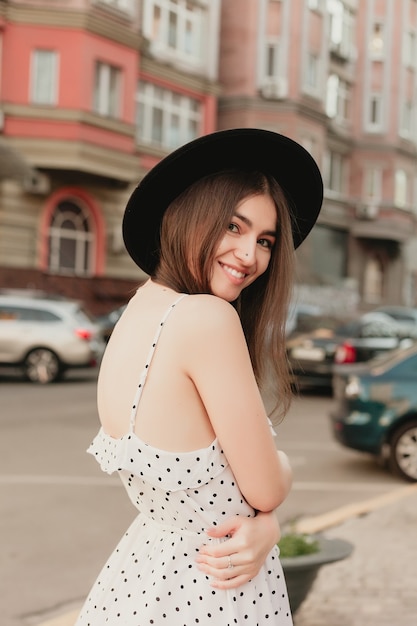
column 230, row 295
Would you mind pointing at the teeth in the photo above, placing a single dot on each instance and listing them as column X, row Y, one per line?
column 234, row 272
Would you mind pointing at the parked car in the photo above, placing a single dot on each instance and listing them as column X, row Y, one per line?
column 312, row 355
column 302, row 317
column 45, row 336
column 375, row 409
column 403, row 314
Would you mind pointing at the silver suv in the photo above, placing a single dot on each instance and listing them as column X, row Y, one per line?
column 45, row 337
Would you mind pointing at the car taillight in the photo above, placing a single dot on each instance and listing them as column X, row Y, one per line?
column 83, row 333
column 345, row 353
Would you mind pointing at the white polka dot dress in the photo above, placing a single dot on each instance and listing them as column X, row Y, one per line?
column 151, row 578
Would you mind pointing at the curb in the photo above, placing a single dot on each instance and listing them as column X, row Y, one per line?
column 67, row 619
column 308, row 525
column 339, row 516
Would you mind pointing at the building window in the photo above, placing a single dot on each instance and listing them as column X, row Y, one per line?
column 44, row 77
column 331, row 267
column 165, row 118
column 377, row 43
column 337, row 98
column 410, row 49
column 372, row 187
column 342, row 23
column 70, row 240
column 407, row 119
column 272, row 59
column 374, row 113
column 107, row 90
column 177, row 27
column 335, row 172
column 401, row 189
column 312, row 72
column 123, row 5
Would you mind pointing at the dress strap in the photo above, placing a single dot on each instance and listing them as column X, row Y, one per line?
column 145, row 370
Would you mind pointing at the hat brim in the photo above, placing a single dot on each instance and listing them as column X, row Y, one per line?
column 241, row 148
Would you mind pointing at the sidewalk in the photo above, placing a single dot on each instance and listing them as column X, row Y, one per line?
column 377, row 584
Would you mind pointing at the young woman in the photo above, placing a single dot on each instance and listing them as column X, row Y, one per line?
column 214, row 225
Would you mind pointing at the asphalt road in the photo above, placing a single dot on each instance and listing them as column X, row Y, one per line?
column 60, row 516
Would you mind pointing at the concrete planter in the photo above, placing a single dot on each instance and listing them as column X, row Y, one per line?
column 301, row 571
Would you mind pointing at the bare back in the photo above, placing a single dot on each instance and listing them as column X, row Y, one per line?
column 184, row 425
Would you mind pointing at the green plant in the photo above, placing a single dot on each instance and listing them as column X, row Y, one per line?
column 297, row 544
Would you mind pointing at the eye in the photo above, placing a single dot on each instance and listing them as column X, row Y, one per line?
column 266, row 243
column 234, row 228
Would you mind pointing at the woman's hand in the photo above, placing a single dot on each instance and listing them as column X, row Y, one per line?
column 238, row 559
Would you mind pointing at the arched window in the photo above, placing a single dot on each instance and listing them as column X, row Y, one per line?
column 71, row 240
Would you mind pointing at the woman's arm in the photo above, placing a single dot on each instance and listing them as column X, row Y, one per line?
column 251, row 540
column 216, row 359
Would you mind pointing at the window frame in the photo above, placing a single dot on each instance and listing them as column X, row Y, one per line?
column 38, row 74
column 152, row 98
column 83, row 238
column 107, row 89
column 191, row 25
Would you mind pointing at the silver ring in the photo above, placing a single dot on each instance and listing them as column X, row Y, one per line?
column 229, row 563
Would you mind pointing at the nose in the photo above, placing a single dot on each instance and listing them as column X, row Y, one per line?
column 245, row 252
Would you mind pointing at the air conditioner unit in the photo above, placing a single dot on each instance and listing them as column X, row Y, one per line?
column 37, row 183
column 367, row 211
column 275, row 88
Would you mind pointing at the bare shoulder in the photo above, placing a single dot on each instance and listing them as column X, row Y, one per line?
column 205, row 312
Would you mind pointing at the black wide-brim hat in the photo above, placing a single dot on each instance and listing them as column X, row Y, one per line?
column 247, row 149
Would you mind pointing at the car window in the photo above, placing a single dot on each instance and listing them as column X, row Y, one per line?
column 27, row 314
column 8, row 313
column 82, row 316
column 377, row 329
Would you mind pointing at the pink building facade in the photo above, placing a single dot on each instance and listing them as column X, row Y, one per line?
column 339, row 76
column 95, row 92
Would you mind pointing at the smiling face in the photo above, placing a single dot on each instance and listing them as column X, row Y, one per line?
column 244, row 252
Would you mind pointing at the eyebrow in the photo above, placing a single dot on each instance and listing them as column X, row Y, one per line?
column 248, row 222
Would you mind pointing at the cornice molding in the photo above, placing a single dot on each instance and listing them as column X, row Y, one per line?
column 79, row 156
column 68, row 115
column 184, row 79
column 96, row 21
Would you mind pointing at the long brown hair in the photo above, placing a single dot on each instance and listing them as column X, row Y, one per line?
column 191, row 231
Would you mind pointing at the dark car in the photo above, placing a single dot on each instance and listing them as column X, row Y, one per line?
column 108, row 321
column 312, row 355
column 375, row 409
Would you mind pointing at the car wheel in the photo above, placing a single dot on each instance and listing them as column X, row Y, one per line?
column 42, row 366
column 403, row 459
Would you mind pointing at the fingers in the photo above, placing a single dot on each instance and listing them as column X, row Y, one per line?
column 226, row 577
column 217, row 562
column 226, row 528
